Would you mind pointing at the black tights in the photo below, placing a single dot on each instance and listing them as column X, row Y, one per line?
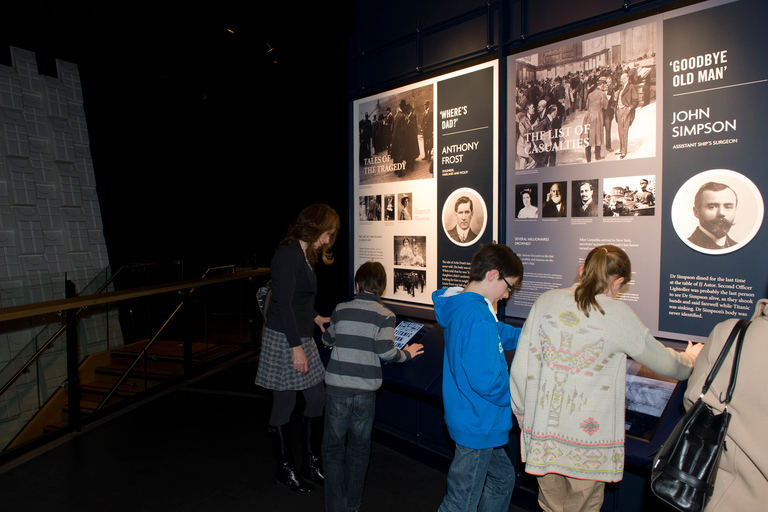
column 283, row 403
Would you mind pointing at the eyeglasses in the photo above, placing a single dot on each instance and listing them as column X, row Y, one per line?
column 510, row 288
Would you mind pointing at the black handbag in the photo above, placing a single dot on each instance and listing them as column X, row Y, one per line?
column 263, row 297
column 684, row 469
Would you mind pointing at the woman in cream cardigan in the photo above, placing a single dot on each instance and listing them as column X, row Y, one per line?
column 567, row 382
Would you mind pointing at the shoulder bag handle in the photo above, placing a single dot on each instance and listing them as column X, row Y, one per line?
column 739, row 329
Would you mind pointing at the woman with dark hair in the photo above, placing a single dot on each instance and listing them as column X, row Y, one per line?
column 289, row 361
column 528, row 211
column 405, row 214
column 567, row 381
column 406, row 253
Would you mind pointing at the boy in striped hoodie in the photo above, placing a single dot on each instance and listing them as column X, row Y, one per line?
column 361, row 333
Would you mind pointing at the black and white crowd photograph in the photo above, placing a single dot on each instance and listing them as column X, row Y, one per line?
column 589, row 101
column 409, row 284
column 396, row 137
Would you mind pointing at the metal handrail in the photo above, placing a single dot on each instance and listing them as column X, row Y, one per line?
column 149, row 344
column 67, row 307
column 58, row 333
column 59, row 305
column 80, row 303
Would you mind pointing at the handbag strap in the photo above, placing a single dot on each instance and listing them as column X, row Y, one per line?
column 734, row 370
column 739, row 330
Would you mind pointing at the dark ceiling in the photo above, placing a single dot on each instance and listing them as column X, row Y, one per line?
column 194, row 128
column 205, row 45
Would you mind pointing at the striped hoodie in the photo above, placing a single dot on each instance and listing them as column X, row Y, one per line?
column 361, row 333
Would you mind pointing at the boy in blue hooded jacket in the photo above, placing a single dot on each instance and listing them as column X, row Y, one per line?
column 476, row 397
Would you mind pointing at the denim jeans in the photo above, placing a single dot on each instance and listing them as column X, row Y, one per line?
column 349, row 418
column 479, row 480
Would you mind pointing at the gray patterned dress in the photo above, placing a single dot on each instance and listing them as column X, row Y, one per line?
column 290, row 323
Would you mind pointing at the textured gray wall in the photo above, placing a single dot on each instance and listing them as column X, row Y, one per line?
column 50, row 222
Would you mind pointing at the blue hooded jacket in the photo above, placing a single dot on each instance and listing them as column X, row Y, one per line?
column 478, row 409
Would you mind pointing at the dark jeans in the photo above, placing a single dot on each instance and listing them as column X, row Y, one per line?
column 479, row 480
column 349, row 418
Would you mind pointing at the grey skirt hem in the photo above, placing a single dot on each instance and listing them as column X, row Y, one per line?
column 276, row 364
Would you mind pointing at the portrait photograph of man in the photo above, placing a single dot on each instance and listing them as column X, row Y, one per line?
column 717, row 211
column 584, row 198
column 464, row 216
column 462, row 231
column 555, row 199
column 715, row 206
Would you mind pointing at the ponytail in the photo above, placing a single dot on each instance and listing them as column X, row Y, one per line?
column 603, row 264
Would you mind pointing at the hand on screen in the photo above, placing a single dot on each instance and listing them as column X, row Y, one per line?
column 415, row 349
column 694, row 348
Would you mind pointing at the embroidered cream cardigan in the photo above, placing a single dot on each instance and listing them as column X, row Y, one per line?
column 567, row 384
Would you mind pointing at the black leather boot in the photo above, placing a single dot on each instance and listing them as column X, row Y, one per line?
column 286, row 473
column 311, row 442
column 588, row 153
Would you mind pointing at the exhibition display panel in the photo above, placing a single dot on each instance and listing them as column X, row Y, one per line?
column 642, row 135
column 430, row 188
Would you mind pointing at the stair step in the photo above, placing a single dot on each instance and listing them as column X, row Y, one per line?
column 165, row 361
column 55, row 426
column 216, row 351
column 103, row 387
column 86, row 407
column 168, row 350
column 138, row 380
column 92, row 397
column 165, row 349
column 157, row 371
